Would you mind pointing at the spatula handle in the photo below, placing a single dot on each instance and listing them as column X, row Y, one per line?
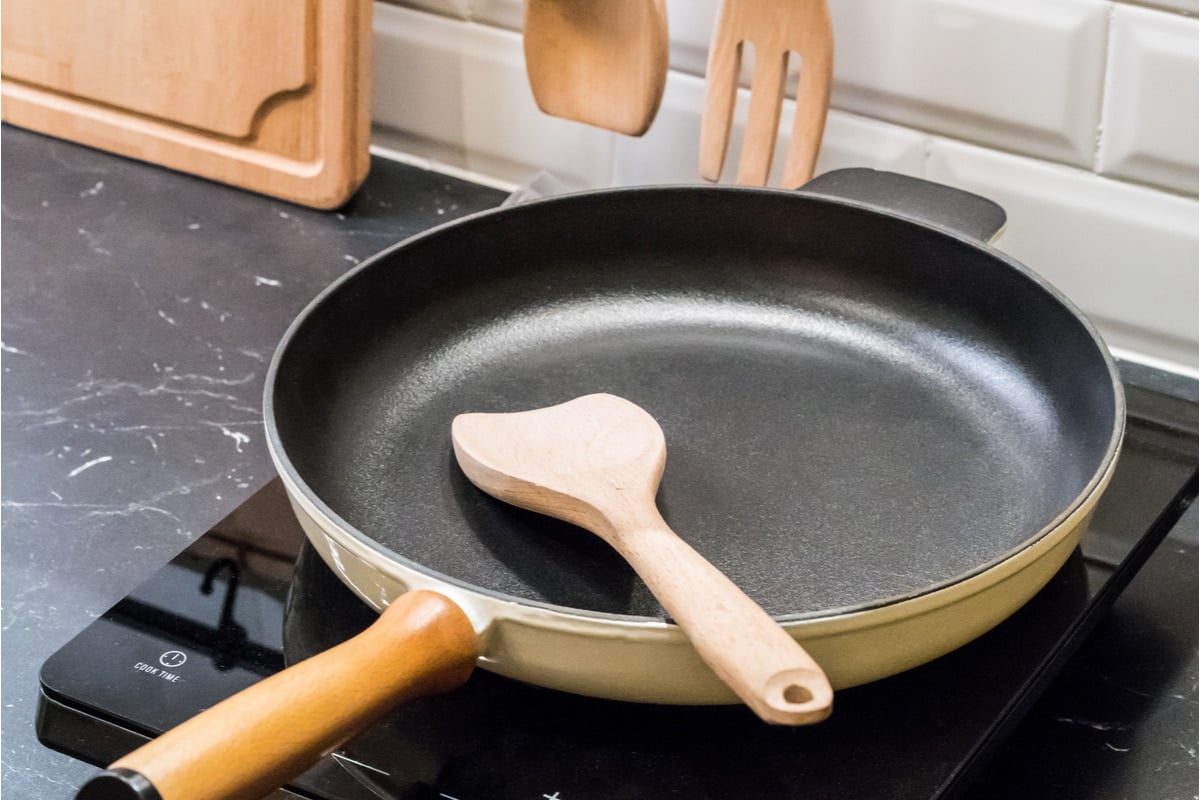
column 264, row 736
column 748, row 650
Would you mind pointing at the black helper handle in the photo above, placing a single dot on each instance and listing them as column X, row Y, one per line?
column 924, row 201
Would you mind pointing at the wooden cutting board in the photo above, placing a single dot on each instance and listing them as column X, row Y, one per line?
column 269, row 95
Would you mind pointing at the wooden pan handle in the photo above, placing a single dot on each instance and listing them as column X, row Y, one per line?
column 264, row 736
column 748, row 650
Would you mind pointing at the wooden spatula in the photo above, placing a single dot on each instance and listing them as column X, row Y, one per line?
column 601, row 62
column 774, row 28
column 596, row 461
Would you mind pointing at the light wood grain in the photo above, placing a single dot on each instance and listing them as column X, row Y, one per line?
column 775, row 28
column 601, row 63
column 264, row 736
column 596, row 461
column 272, row 96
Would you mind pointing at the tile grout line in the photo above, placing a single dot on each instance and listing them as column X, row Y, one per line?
column 1105, row 82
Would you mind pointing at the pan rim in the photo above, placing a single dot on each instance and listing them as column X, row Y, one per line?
column 296, row 483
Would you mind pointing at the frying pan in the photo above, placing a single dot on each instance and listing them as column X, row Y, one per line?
column 886, row 432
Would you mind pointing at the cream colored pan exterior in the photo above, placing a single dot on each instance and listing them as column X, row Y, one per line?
column 648, row 660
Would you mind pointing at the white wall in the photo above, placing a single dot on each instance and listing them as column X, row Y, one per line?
column 1078, row 116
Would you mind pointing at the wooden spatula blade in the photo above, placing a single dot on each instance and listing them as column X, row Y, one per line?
column 603, row 63
column 596, row 461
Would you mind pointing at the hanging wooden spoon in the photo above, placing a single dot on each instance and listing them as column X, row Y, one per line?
column 596, row 461
column 601, row 62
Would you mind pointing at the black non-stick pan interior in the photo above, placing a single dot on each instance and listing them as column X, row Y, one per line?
column 856, row 408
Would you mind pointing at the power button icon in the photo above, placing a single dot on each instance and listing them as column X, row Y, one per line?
column 172, row 658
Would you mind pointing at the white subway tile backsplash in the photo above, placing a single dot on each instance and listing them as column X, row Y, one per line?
column 1125, row 254
column 690, row 28
column 669, row 152
column 1023, row 76
column 854, row 141
column 1189, row 7
column 502, row 13
column 1018, row 75
column 691, row 25
column 457, row 92
column 1149, row 130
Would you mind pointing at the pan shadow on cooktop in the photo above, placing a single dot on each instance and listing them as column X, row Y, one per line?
column 558, row 562
column 466, row 742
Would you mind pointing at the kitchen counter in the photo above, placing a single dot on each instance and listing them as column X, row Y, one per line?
column 140, row 308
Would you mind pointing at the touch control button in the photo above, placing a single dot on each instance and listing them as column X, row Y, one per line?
column 172, row 658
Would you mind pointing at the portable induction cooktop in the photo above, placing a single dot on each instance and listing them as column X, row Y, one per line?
column 251, row 595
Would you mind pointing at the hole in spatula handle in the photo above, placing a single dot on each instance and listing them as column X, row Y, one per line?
column 797, row 694
column 801, row 694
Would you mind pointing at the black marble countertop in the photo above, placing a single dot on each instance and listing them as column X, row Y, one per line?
column 140, row 308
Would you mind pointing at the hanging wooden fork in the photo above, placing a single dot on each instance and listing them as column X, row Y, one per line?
column 774, row 28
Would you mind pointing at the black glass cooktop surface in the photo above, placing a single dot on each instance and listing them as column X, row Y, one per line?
column 250, row 594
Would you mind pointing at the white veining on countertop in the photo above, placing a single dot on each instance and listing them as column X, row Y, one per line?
column 259, row 280
column 148, row 506
column 93, row 241
column 221, row 315
column 90, row 509
column 95, row 190
column 93, row 388
column 55, row 154
column 161, row 428
column 239, row 439
column 257, row 356
column 1097, row 726
column 39, row 773
column 88, row 465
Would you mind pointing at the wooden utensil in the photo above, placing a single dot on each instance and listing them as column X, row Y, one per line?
column 775, row 28
column 262, row 737
column 596, row 462
column 601, row 63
